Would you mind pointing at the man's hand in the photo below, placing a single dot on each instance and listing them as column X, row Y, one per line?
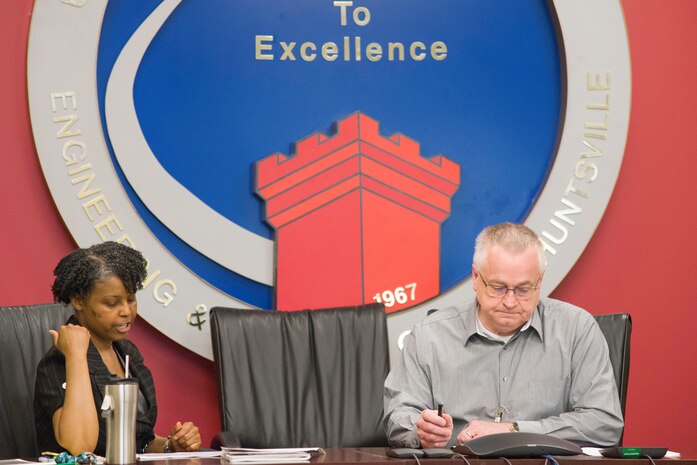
column 432, row 430
column 185, row 437
column 477, row 428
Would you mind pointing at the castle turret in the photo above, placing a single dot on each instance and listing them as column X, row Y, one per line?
column 357, row 218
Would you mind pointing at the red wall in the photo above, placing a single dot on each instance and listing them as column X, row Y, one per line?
column 641, row 259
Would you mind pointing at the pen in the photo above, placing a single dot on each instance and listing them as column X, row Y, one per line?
column 440, row 408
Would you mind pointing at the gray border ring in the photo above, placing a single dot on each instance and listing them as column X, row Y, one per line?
column 61, row 75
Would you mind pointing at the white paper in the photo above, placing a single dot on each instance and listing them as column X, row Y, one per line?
column 595, row 452
column 235, row 455
column 592, row 451
column 259, row 458
column 18, row 462
column 178, row 455
column 291, row 450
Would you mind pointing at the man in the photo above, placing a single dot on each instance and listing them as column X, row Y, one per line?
column 508, row 361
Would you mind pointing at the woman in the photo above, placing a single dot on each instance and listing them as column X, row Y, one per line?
column 100, row 283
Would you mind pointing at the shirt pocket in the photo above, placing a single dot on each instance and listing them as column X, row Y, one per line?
column 542, row 398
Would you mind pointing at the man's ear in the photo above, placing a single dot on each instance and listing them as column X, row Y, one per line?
column 475, row 275
column 539, row 283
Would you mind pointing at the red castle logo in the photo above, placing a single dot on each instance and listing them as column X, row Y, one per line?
column 357, row 218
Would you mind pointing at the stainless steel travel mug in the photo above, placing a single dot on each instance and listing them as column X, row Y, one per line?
column 119, row 409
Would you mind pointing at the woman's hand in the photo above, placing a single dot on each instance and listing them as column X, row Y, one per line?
column 71, row 340
column 185, row 437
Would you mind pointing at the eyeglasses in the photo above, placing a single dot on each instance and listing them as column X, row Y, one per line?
column 521, row 292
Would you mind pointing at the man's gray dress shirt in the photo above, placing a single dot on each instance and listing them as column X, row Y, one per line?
column 555, row 377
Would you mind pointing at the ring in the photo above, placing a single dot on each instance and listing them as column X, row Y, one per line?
column 469, row 434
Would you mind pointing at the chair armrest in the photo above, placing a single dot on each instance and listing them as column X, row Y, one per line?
column 225, row 439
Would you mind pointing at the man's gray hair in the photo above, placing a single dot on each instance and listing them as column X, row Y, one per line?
column 512, row 237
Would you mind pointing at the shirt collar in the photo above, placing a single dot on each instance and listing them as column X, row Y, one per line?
column 469, row 319
column 536, row 320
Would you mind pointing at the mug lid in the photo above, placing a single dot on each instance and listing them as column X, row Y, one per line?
column 117, row 380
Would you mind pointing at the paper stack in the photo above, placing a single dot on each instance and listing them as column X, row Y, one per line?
column 175, row 456
column 231, row 455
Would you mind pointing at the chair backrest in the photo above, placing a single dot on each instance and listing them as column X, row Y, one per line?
column 302, row 379
column 24, row 339
column 617, row 329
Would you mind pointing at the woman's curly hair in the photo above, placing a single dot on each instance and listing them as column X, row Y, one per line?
column 78, row 272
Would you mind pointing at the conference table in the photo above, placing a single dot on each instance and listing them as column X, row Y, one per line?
column 376, row 456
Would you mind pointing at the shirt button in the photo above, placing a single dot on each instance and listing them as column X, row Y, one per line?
column 505, row 379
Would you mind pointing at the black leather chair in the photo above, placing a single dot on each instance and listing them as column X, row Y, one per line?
column 617, row 329
column 24, row 339
column 312, row 378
